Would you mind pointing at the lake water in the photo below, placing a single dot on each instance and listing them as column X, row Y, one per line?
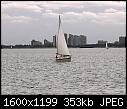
column 92, row 71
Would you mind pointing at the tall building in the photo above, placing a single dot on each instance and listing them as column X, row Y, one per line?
column 34, row 43
column 121, row 40
column 54, row 41
column 76, row 40
column 65, row 35
column 101, row 42
column 70, row 40
column 83, row 40
column 48, row 43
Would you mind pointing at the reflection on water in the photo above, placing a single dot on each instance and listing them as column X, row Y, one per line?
column 95, row 71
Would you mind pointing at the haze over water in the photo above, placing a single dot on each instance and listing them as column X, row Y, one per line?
column 95, row 71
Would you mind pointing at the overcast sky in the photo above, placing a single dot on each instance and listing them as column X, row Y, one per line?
column 23, row 21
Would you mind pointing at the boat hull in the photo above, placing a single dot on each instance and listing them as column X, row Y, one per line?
column 63, row 59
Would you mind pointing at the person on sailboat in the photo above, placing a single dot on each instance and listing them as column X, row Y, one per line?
column 56, row 55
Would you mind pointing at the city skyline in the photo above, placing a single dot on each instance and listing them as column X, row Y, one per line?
column 27, row 20
column 72, row 41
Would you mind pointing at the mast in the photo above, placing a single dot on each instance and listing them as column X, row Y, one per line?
column 58, row 32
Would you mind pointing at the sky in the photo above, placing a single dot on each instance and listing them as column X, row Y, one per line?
column 23, row 21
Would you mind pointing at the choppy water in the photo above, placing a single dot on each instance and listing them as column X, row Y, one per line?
column 92, row 71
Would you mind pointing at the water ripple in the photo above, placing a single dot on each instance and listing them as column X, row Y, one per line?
column 35, row 71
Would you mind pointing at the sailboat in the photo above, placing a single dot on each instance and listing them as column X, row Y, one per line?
column 63, row 54
column 106, row 45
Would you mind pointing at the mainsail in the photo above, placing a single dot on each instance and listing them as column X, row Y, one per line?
column 61, row 43
column 106, row 45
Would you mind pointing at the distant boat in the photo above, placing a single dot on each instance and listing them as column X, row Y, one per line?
column 62, row 54
column 106, row 45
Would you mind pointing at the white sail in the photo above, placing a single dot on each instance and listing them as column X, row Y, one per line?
column 106, row 45
column 61, row 43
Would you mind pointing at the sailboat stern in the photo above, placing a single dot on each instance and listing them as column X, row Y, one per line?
column 64, row 58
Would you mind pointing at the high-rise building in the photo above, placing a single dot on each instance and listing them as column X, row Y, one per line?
column 48, row 43
column 34, row 43
column 65, row 35
column 121, row 40
column 101, row 42
column 70, row 40
column 54, row 41
column 76, row 41
column 83, row 40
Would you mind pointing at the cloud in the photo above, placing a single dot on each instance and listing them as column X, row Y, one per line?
column 107, row 3
column 81, row 4
column 83, row 15
column 117, row 17
column 108, row 17
column 38, row 6
column 48, row 9
column 17, row 19
column 111, row 10
column 21, row 5
column 55, row 5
